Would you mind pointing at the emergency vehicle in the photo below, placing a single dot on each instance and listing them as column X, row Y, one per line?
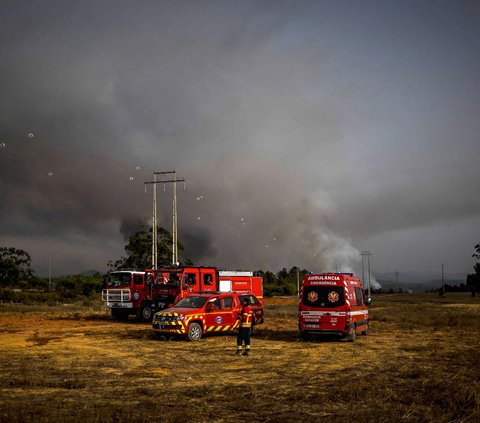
column 199, row 314
column 332, row 304
column 144, row 292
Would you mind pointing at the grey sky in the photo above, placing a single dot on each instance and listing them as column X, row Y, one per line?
column 307, row 131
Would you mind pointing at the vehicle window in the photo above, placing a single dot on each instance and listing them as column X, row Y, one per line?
column 191, row 301
column 174, row 279
column 228, row 302
column 323, row 296
column 359, row 296
column 207, row 280
column 118, row 279
column 138, row 280
column 217, row 305
column 191, row 279
column 251, row 298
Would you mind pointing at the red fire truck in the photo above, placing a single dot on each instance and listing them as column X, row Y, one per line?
column 332, row 304
column 144, row 292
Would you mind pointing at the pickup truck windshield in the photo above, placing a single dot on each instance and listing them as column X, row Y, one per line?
column 191, row 301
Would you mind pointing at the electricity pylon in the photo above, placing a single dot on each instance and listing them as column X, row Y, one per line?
column 174, row 180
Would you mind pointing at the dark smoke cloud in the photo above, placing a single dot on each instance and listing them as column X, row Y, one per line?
column 132, row 225
column 306, row 132
column 199, row 244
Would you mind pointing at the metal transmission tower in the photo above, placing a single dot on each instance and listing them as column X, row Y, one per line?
column 366, row 254
column 174, row 180
column 443, row 284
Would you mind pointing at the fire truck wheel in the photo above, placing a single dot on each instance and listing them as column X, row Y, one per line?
column 145, row 313
column 365, row 332
column 119, row 314
column 194, row 332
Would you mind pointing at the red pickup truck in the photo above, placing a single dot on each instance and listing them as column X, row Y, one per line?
column 199, row 314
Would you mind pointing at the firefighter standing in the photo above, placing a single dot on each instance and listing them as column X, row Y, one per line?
column 245, row 329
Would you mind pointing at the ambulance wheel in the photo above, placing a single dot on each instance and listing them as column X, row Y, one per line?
column 353, row 336
column 194, row 332
column 145, row 313
column 304, row 336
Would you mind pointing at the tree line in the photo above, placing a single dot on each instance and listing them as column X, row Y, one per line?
column 19, row 283
column 473, row 279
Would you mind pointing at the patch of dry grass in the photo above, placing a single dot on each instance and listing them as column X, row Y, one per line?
column 419, row 364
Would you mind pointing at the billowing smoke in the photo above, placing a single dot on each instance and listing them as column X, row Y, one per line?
column 254, row 215
column 273, row 119
column 199, row 244
column 133, row 224
column 374, row 284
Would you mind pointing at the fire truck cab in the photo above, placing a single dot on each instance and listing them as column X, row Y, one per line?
column 122, row 292
column 332, row 304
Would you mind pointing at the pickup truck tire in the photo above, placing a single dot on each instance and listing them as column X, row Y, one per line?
column 194, row 332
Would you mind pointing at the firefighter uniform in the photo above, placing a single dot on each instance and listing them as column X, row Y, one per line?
column 246, row 316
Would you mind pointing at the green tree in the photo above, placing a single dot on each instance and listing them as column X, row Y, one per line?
column 139, row 250
column 282, row 283
column 473, row 279
column 15, row 267
column 75, row 286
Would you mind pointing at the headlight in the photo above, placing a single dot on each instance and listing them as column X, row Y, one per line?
column 166, row 318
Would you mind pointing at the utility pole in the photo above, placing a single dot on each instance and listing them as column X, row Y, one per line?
column 174, row 180
column 50, row 275
column 154, row 224
column 366, row 254
column 298, row 281
column 174, row 221
column 363, row 270
column 443, row 285
column 368, row 260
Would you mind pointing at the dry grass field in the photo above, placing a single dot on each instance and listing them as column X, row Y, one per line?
column 420, row 363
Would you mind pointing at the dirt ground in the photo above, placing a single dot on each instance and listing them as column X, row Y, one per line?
column 419, row 363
